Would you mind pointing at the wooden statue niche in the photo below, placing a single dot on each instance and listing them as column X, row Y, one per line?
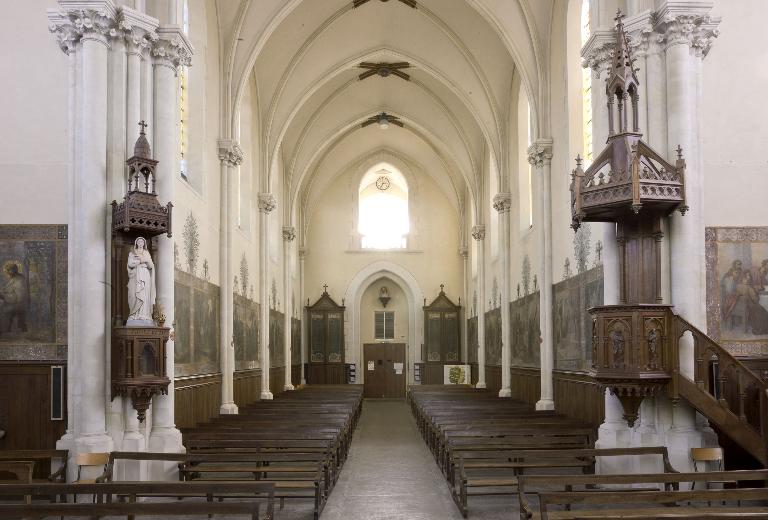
column 326, row 341
column 633, row 186
column 139, row 334
column 441, row 337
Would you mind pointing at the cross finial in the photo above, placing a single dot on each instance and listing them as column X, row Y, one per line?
column 619, row 16
column 679, row 152
column 325, row 288
column 143, row 126
column 442, row 286
column 579, row 160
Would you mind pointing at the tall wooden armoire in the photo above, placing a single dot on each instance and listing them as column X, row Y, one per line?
column 326, row 342
column 441, row 337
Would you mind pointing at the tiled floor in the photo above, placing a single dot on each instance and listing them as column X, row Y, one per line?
column 390, row 474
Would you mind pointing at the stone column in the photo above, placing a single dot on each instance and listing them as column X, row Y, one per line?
column 502, row 203
column 169, row 51
column 230, row 157
column 304, row 327
column 289, row 235
column 89, row 323
column 464, row 253
column 267, row 204
column 478, row 233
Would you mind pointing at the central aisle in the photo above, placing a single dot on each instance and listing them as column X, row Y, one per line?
column 390, row 472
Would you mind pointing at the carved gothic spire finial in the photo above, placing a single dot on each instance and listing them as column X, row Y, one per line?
column 142, row 148
column 622, row 83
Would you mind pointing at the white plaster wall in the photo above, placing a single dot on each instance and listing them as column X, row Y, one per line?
column 370, row 303
column 330, row 261
column 735, row 118
column 34, row 148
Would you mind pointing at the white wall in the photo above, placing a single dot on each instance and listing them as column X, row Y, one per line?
column 34, row 148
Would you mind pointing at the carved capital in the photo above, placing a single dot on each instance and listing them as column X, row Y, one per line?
column 139, row 30
column 464, row 251
column 642, row 38
column 172, row 48
column 289, row 233
column 597, row 52
column 303, row 252
column 230, row 152
column 478, row 232
column 77, row 20
column 540, row 152
column 267, row 202
column 502, row 202
column 682, row 24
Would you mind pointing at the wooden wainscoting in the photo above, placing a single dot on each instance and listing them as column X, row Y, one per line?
column 247, row 386
column 276, row 380
column 525, row 384
column 474, row 373
column 433, row 374
column 576, row 394
column 198, row 399
column 493, row 377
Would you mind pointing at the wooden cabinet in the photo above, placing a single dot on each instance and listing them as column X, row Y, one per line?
column 441, row 337
column 326, row 342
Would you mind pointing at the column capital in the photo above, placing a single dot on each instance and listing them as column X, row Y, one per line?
column 686, row 23
column 641, row 34
column 540, row 152
column 502, row 202
column 303, row 252
column 172, row 48
column 289, row 233
column 139, row 30
column 76, row 20
column 598, row 51
column 230, row 152
column 478, row 232
column 267, row 202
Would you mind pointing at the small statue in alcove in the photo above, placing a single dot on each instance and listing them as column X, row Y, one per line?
column 141, row 285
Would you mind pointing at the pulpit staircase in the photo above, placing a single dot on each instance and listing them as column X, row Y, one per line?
column 723, row 390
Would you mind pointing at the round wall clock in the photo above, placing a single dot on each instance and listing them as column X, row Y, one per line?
column 382, row 183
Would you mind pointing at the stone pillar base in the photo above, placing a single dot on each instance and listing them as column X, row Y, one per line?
column 505, row 392
column 133, row 470
column 266, row 396
column 228, row 409
column 164, row 440
column 545, row 404
column 289, row 387
column 480, row 384
column 95, row 443
column 303, row 381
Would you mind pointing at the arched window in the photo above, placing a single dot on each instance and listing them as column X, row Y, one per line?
column 383, row 219
column 586, row 87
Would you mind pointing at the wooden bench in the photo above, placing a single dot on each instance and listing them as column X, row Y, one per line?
column 44, row 461
column 483, row 473
column 646, row 505
column 119, row 498
column 529, row 486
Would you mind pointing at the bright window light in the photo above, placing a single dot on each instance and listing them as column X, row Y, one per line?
column 383, row 219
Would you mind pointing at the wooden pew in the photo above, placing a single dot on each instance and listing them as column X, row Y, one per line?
column 41, row 458
column 483, row 473
column 529, row 486
column 119, row 498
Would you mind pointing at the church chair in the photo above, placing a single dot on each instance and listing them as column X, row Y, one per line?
column 86, row 460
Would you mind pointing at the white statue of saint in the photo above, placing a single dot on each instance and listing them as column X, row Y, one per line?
column 141, row 284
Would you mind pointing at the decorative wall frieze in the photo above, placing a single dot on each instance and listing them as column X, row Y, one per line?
column 172, row 48
column 540, row 152
column 230, row 152
column 478, row 232
column 289, row 233
column 267, row 202
column 502, row 202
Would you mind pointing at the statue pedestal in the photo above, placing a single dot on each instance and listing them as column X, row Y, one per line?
column 138, row 364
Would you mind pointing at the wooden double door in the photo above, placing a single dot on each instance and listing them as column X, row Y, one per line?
column 384, row 365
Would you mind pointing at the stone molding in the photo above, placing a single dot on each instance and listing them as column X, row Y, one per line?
column 478, row 232
column 502, row 202
column 172, row 48
column 267, row 202
column 230, row 152
column 289, row 233
column 540, row 152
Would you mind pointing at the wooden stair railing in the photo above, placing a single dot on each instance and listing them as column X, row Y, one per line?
column 724, row 390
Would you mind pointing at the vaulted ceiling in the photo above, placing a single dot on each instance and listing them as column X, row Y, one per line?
column 304, row 56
